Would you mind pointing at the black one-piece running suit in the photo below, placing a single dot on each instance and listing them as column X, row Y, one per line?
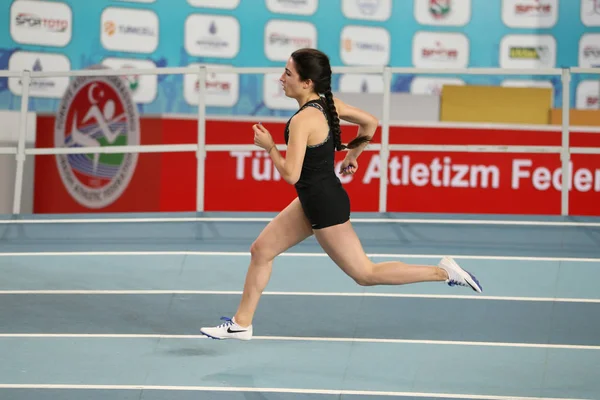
column 323, row 198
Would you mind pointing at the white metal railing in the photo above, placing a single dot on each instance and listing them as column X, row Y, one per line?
column 21, row 143
column 201, row 148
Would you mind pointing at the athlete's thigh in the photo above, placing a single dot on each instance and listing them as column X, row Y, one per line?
column 343, row 246
column 287, row 229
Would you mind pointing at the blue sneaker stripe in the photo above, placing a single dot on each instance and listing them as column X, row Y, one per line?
column 207, row 335
column 474, row 279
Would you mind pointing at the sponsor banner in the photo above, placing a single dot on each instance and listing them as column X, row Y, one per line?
column 466, row 182
column 41, row 23
column 298, row 7
column 361, row 83
column 528, row 51
column 246, row 171
column 584, row 184
column 530, row 13
column 130, row 30
column 143, row 87
column 488, row 183
column 374, row 10
column 47, row 25
column 282, row 38
column 54, row 194
column 212, row 36
column 39, row 62
column 156, row 184
column 222, row 89
column 443, row 12
column 367, row 46
column 432, row 86
column 438, row 50
column 588, row 95
column 589, row 50
column 225, row 4
column 590, row 12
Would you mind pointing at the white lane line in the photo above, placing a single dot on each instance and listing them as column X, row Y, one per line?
column 298, row 339
column 268, row 219
column 281, row 293
column 247, row 254
column 335, row 392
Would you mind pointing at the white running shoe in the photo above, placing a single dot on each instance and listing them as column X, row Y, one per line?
column 228, row 330
column 459, row 276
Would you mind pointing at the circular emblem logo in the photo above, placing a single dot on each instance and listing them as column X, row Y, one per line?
column 439, row 8
column 96, row 111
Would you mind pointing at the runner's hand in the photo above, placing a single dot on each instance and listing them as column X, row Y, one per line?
column 262, row 137
column 348, row 167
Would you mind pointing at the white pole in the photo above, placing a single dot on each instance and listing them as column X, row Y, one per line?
column 201, row 153
column 26, row 79
column 385, row 139
column 565, row 154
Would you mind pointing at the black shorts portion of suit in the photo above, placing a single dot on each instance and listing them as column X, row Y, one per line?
column 325, row 203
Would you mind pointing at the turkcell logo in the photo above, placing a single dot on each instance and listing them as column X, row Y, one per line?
column 361, row 45
column 130, row 30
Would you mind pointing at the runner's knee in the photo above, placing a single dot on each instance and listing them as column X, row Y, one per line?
column 260, row 252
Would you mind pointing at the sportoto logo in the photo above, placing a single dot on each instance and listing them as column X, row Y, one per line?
column 284, row 37
column 45, row 23
column 96, row 111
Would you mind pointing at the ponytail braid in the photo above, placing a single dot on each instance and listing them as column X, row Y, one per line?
column 334, row 121
column 335, row 126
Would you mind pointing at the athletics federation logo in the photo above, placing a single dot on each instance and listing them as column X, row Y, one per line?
column 96, row 111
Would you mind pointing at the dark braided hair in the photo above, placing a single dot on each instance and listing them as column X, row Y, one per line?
column 314, row 65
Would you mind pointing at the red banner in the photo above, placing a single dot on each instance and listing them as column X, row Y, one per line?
column 436, row 182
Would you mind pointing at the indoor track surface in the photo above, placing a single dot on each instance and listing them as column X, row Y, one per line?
column 109, row 307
